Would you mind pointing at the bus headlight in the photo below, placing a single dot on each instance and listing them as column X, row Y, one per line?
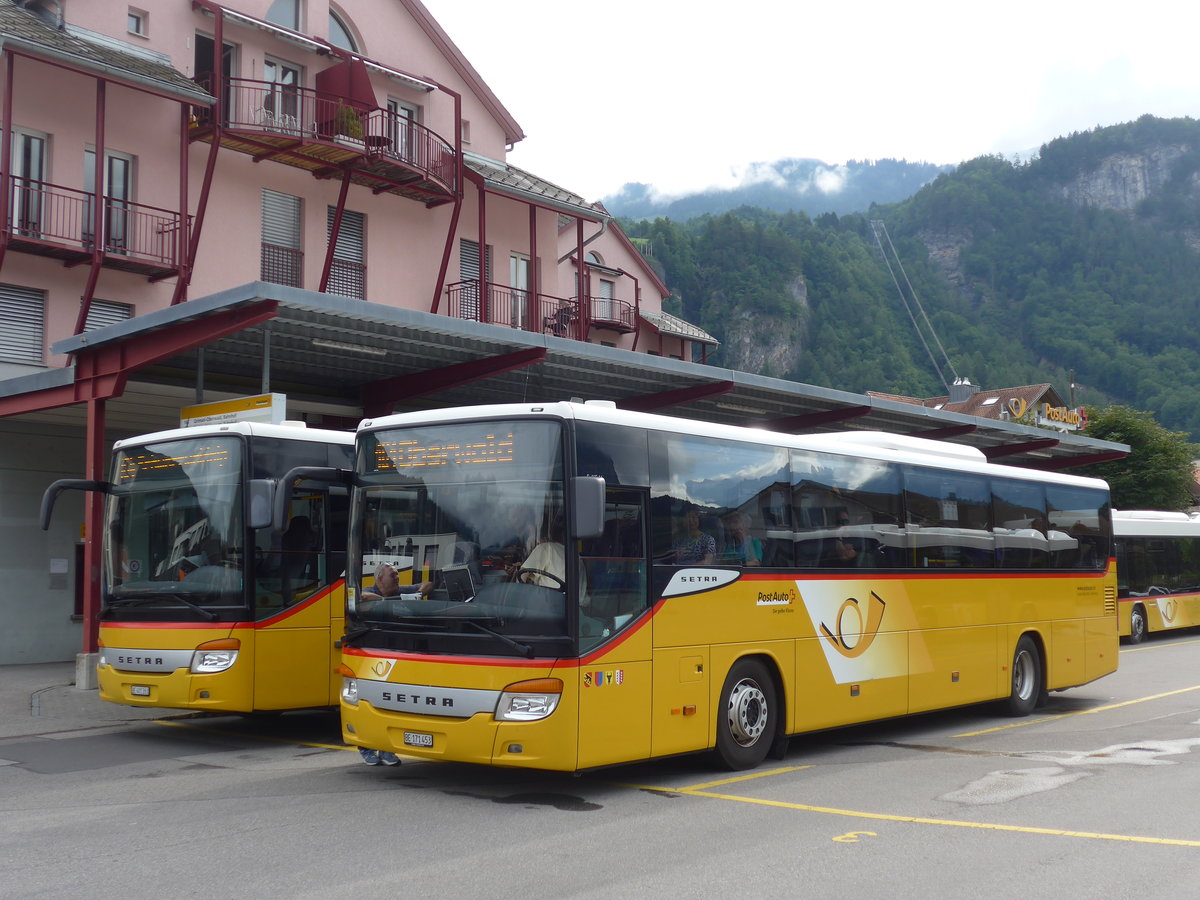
column 215, row 656
column 349, row 684
column 528, row 701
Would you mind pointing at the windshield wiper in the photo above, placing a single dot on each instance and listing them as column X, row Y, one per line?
column 439, row 624
column 162, row 595
column 525, row 650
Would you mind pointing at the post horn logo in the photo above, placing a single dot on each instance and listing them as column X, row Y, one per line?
column 1018, row 406
column 854, row 637
column 1168, row 608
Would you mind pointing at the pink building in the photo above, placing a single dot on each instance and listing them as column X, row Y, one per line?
column 186, row 150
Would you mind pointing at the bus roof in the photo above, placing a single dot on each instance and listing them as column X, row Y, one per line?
column 868, row 444
column 1154, row 523
column 295, row 431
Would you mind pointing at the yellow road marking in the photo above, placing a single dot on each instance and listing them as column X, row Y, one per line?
column 1157, row 646
column 921, row 820
column 734, row 780
column 1082, row 712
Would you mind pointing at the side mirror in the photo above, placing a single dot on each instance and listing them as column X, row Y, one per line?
column 588, row 503
column 260, row 492
column 283, row 495
column 68, row 484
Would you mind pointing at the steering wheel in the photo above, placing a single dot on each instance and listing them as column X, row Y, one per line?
column 560, row 585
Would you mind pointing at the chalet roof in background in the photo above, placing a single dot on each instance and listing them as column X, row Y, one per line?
column 985, row 404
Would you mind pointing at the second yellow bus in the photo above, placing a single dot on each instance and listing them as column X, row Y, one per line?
column 566, row 585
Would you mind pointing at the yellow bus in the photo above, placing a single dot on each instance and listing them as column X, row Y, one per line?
column 204, row 605
column 1158, row 571
column 581, row 586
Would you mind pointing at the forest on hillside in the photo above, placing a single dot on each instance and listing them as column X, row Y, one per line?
column 1023, row 281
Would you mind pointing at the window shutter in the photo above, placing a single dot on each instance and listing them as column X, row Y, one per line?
column 282, row 260
column 280, row 219
column 348, row 274
column 22, row 324
column 351, row 242
column 106, row 312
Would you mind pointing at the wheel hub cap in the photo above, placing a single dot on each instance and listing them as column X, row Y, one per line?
column 747, row 713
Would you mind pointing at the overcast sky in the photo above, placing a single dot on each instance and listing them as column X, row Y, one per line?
column 684, row 95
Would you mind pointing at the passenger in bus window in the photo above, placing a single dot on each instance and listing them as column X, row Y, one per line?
column 694, row 547
column 387, row 586
column 741, row 548
column 845, row 553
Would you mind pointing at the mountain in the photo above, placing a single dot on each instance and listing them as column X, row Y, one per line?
column 787, row 185
column 1084, row 260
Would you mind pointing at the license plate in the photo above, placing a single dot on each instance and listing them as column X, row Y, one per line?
column 417, row 739
column 139, row 690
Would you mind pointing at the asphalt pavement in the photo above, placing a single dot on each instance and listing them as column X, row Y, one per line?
column 41, row 698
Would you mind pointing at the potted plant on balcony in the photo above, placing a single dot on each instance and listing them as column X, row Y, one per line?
column 347, row 126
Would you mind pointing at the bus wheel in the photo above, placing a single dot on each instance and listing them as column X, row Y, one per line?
column 1026, row 678
column 746, row 722
column 1137, row 624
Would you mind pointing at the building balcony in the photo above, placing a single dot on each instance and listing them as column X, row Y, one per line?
column 55, row 221
column 383, row 151
column 502, row 305
column 607, row 312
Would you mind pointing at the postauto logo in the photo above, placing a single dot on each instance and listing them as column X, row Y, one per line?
column 855, row 628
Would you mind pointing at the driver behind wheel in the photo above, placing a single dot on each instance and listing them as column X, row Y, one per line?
column 548, row 558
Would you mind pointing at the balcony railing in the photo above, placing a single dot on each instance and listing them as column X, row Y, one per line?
column 53, row 220
column 608, row 312
column 497, row 304
column 320, row 132
column 282, row 265
column 347, row 279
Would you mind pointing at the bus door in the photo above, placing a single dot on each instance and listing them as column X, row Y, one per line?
column 293, row 641
column 615, row 673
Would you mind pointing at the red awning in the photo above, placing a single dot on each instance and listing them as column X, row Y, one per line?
column 350, row 82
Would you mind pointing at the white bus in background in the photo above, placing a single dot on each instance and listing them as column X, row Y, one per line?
column 1158, row 571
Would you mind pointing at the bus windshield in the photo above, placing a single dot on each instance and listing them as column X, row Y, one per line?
column 460, row 543
column 175, row 526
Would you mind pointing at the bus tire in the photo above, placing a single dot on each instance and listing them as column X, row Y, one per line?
column 746, row 724
column 1027, row 685
column 1137, row 624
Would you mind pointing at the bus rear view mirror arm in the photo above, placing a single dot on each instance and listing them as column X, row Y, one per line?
column 68, row 484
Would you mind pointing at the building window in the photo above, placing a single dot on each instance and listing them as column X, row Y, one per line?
column 468, row 305
column 137, row 22
column 282, row 259
column 466, row 131
column 285, row 13
column 518, row 296
column 22, row 324
column 348, row 274
column 340, row 34
column 401, row 127
column 604, row 309
column 29, row 188
column 117, row 194
column 106, row 312
column 281, row 102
